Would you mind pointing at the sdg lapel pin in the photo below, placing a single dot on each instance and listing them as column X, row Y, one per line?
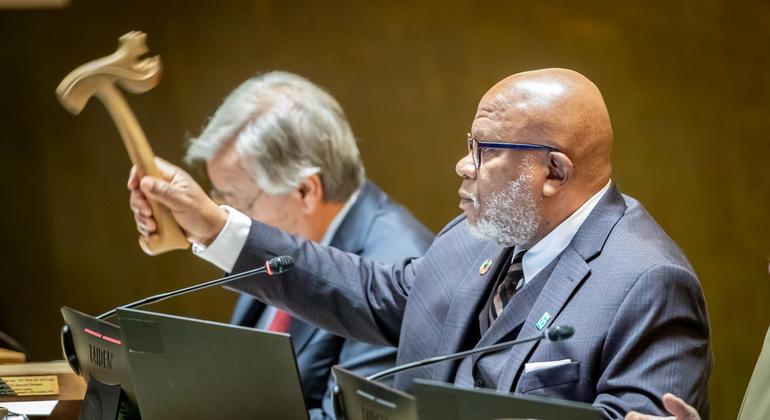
column 543, row 321
column 485, row 266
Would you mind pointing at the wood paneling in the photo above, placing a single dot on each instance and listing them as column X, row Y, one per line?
column 687, row 85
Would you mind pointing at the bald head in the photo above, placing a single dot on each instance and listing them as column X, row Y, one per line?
column 555, row 107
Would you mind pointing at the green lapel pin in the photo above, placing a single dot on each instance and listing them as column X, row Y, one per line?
column 542, row 321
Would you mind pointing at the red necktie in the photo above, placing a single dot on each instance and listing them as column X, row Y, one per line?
column 280, row 322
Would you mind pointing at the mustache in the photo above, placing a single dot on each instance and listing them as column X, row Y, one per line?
column 474, row 200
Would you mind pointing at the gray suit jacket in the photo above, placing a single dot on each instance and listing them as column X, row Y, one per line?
column 634, row 300
column 375, row 227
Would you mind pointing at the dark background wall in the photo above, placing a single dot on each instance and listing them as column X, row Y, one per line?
column 687, row 84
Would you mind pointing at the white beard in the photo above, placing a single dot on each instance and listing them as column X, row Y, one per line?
column 510, row 217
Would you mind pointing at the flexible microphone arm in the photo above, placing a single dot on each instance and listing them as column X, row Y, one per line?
column 275, row 265
column 557, row 333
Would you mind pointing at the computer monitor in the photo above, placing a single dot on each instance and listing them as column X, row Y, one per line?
column 441, row 401
column 195, row 369
column 96, row 351
column 357, row 398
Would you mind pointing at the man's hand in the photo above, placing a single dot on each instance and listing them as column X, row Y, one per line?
column 200, row 218
column 679, row 410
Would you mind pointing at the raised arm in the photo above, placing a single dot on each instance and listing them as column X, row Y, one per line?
column 335, row 290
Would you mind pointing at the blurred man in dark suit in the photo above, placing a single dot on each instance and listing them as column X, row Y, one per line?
column 280, row 150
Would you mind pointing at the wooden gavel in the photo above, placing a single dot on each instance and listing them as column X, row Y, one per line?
column 135, row 74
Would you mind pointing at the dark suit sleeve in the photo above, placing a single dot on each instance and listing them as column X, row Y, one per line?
column 336, row 290
column 657, row 343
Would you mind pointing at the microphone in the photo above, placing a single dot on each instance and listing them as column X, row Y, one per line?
column 557, row 333
column 273, row 266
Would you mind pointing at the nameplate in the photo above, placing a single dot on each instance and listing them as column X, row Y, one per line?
column 22, row 386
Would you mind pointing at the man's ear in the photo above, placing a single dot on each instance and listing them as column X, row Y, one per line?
column 560, row 170
column 311, row 193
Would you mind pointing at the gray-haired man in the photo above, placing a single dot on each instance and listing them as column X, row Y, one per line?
column 280, row 151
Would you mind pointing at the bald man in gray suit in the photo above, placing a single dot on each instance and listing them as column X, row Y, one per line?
column 546, row 238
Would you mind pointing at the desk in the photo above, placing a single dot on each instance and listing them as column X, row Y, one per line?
column 72, row 388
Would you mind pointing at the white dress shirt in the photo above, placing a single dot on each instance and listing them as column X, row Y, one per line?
column 226, row 247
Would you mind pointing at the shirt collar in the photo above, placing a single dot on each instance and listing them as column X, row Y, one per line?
column 331, row 230
column 548, row 248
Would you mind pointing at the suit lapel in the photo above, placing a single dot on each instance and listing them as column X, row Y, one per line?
column 352, row 231
column 465, row 304
column 517, row 310
column 570, row 272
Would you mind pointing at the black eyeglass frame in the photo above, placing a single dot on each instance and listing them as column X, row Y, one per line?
column 499, row 145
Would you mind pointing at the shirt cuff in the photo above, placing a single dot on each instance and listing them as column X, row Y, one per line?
column 226, row 247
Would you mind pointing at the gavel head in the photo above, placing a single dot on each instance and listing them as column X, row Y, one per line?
column 125, row 66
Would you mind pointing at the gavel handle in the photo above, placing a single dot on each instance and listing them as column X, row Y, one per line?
column 169, row 235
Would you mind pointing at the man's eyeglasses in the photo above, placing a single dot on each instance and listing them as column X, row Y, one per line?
column 233, row 200
column 475, row 148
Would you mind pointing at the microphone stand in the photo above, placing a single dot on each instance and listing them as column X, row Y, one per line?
column 164, row 296
column 496, row 347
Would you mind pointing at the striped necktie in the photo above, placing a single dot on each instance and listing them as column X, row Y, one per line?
column 512, row 283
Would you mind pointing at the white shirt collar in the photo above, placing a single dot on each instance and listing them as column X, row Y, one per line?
column 331, row 230
column 548, row 248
